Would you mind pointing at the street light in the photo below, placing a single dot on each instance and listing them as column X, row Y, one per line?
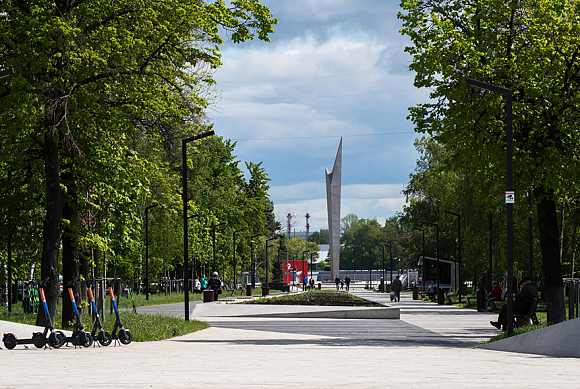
column 235, row 262
column 267, row 263
column 459, row 251
column 509, row 194
column 147, row 249
column 423, row 263
column 384, row 280
column 440, row 299
column 213, row 268
column 253, row 264
column 184, row 143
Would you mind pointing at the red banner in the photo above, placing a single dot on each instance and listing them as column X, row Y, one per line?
column 295, row 270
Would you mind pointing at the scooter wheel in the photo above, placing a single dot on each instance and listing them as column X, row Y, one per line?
column 56, row 339
column 38, row 339
column 86, row 339
column 125, row 336
column 9, row 341
column 104, row 338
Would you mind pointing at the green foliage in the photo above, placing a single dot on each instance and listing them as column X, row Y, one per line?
column 320, row 237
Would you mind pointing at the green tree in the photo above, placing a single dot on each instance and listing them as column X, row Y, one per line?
column 92, row 73
column 320, row 237
column 530, row 48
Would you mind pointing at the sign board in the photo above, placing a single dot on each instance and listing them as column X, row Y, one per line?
column 510, row 197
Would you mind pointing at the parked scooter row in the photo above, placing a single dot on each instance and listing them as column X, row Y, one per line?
column 79, row 336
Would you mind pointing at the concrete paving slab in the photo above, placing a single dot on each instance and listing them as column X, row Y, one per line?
column 430, row 345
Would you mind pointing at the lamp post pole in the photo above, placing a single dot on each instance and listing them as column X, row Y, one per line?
column 423, row 263
column 384, row 279
column 253, row 261
column 235, row 262
column 509, row 195
column 213, row 268
column 147, row 250
column 267, row 263
column 440, row 300
column 184, row 143
column 459, row 252
column 5, row 73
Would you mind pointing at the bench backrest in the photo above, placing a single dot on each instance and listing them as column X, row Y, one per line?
column 532, row 307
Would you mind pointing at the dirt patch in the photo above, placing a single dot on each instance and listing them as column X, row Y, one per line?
column 318, row 299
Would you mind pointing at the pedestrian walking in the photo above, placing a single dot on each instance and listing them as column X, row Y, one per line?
column 337, row 281
column 347, row 282
column 215, row 284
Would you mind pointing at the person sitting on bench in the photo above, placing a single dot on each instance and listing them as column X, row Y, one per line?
column 521, row 306
column 432, row 291
column 495, row 295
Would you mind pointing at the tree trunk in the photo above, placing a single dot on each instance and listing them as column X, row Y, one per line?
column 52, row 225
column 70, row 252
column 549, row 244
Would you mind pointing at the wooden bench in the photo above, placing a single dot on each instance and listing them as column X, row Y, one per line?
column 522, row 320
column 469, row 298
column 449, row 295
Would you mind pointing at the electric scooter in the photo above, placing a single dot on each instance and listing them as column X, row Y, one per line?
column 124, row 335
column 39, row 339
column 104, row 337
column 79, row 336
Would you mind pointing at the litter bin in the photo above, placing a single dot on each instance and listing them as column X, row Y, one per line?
column 388, row 288
column 440, row 296
column 415, row 293
column 320, row 286
column 248, row 290
column 480, row 297
column 207, row 296
column 265, row 290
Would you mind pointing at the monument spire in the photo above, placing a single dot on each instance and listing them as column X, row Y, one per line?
column 333, row 207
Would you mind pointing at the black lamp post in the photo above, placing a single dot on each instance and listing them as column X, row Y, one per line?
column 440, row 300
column 147, row 250
column 5, row 73
column 384, row 280
column 235, row 262
column 311, row 264
column 253, row 264
column 305, row 259
column 268, row 263
column 423, row 263
column 184, row 143
column 509, row 194
column 459, row 252
column 213, row 268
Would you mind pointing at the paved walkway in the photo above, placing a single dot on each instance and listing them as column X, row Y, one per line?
column 430, row 345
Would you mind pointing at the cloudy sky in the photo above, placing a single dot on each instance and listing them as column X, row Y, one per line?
column 334, row 68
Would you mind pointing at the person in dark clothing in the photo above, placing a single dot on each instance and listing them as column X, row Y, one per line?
column 215, row 284
column 347, row 282
column 495, row 295
column 396, row 287
column 522, row 303
column 337, row 281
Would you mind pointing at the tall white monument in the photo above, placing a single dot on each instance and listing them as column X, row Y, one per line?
column 333, row 208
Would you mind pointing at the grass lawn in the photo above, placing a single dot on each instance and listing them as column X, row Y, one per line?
column 318, row 298
column 143, row 327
